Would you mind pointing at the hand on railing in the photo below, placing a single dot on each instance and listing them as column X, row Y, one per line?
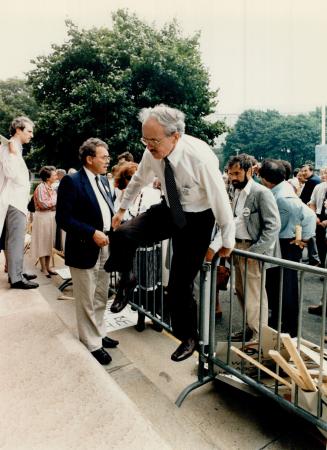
column 117, row 219
column 209, row 255
column 225, row 252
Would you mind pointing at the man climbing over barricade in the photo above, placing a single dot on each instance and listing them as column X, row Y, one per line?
column 195, row 196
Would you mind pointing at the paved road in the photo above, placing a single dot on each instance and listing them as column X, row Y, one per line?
column 311, row 324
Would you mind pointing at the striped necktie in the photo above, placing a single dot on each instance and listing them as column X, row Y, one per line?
column 173, row 198
column 103, row 193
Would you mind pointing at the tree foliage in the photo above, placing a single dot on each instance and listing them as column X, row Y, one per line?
column 16, row 99
column 268, row 134
column 96, row 83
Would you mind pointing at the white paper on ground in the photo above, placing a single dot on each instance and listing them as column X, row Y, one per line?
column 64, row 273
column 126, row 318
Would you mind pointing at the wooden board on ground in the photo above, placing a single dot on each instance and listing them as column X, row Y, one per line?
column 260, row 366
column 291, row 372
column 298, row 361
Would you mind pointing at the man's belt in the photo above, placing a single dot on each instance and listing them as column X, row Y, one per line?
column 243, row 241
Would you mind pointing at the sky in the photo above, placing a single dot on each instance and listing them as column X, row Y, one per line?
column 263, row 54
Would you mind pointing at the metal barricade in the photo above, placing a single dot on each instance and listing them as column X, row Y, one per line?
column 149, row 299
column 215, row 363
column 149, row 296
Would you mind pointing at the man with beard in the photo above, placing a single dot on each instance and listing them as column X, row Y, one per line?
column 257, row 226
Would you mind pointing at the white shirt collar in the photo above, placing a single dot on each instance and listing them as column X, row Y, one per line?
column 176, row 154
column 91, row 176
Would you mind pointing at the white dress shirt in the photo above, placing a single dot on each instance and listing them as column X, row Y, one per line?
column 198, row 180
column 318, row 196
column 239, row 211
column 105, row 211
column 14, row 181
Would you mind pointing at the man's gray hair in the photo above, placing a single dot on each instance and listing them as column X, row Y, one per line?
column 20, row 123
column 170, row 118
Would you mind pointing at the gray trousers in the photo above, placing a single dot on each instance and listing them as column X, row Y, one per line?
column 14, row 246
column 90, row 287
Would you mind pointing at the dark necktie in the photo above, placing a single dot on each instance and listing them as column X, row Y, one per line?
column 174, row 203
column 104, row 194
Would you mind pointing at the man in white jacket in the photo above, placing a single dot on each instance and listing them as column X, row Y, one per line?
column 14, row 195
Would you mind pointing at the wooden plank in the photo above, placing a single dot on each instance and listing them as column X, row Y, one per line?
column 314, row 356
column 293, row 373
column 298, row 361
column 310, row 345
column 316, row 372
column 260, row 366
column 322, row 387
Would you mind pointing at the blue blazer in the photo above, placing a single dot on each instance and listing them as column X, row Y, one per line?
column 79, row 214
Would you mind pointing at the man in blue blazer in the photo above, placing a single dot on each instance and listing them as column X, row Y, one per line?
column 84, row 211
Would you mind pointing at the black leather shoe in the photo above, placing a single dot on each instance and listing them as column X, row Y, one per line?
column 185, row 350
column 26, row 276
column 24, row 285
column 315, row 309
column 29, row 276
column 102, row 356
column 120, row 301
column 109, row 343
column 124, row 292
column 238, row 336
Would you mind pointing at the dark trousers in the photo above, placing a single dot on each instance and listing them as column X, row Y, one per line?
column 321, row 243
column 290, row 299
column 189, row 248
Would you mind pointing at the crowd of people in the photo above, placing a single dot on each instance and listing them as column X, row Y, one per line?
column 176, row 192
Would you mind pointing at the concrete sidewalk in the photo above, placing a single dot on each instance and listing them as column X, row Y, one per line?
column 54, row 395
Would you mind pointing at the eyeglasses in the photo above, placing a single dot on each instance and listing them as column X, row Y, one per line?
column 105, row 157
column 153, row 142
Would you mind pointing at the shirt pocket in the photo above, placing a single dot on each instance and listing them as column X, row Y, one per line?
column 189, row 194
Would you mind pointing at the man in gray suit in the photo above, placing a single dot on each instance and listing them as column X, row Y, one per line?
column 257, row 224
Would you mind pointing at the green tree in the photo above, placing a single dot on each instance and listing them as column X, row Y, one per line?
column 16, row 99
column 268, row 134
column 96, row 83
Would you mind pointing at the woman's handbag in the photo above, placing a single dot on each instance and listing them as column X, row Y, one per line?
column 223, row 274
